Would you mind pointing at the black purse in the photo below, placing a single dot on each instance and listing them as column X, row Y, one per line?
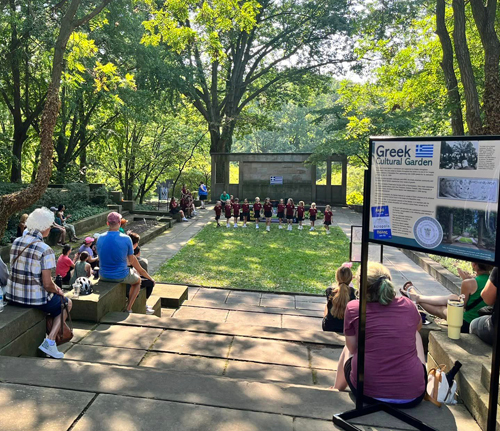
column 486, row 311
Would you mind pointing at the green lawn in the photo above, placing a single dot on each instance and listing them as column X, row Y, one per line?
column 297, row 261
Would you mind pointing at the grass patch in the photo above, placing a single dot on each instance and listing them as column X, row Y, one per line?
column 282, row 261
column 451, row 264
column 466, row 240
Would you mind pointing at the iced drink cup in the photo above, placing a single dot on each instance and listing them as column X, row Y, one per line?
column 455, row 318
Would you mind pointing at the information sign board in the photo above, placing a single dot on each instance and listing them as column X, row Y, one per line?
column 440, row 195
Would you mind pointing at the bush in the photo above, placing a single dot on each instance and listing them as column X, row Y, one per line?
column 354, row 198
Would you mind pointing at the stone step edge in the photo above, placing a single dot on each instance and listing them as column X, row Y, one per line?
column 252, row 308
column 318, row 406
column 313, row 295
column 263, row 332
column 325, row 387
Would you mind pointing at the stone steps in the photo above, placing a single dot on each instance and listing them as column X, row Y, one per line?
column 123, row 394
column 475, row 357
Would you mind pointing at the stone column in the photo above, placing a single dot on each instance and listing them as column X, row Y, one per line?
column 344, row 180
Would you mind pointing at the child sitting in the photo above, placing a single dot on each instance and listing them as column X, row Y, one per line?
column 337, row 299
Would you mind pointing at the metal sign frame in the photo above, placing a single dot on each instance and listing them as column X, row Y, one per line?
column 341, row 419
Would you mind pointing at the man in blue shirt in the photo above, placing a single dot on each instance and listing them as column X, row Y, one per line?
column 203, row 194
column 115, row 253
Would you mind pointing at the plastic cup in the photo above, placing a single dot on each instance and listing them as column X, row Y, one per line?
column 76, row 292
column 455, row 318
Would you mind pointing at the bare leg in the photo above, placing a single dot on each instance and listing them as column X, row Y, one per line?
column 340, row 381
column 133, row 294
column 432, row 300
column 57, row 322
column 436, row 310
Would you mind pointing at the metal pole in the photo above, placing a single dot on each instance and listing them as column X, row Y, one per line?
column 362, row 292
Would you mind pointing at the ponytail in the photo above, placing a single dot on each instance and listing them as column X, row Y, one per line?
column 339, row 299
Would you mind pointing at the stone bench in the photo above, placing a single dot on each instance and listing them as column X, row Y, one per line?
column 172, row 295
column 21, row 331
column 106, row 297
column 473, row 377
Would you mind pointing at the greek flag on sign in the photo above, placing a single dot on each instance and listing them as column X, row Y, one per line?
column 425, row 150
column 276, row 180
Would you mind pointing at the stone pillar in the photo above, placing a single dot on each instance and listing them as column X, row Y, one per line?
column 329, row 180
column 240, row 179
column 117, row 208
column 128, row 206
column 313, row 183
column 95, row 186
column 344, row 180
column 116, row 196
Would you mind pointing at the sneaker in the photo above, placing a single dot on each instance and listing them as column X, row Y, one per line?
column 256, row 226
column 235, row 225
column 150, row 310
column 244, row 225
column 268, row 228
column 227, row 225
column 185, row 219
column 52, row 351
column 311, row 229
column 195, row 213
column 328, row 232
column 280, row 227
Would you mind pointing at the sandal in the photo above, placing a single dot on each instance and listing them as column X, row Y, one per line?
column 405, row 291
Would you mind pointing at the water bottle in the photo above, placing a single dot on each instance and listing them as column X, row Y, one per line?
column 1, row 299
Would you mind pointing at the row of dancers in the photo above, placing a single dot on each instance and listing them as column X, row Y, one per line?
column 286, row 213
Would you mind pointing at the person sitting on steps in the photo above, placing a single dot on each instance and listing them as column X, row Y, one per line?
column 116, row 252
column 471, row 288
column 484, row 326
column 395, row 370
column 174, row 209
column 30, row 282
column 69, row 227
column 82, row 268
column 65, row 265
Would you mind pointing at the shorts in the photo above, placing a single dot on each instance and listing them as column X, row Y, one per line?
column 203, row 197
column 174, row 211
column 312, row 218
column 300, row 218
column 246, row 214
column 281, row 215
column 369, row 400
column 132, row 278
column 52, row 307
column 327, row 223
column 217, row 217
column 289, row 217
column 257, row 214
column 268, row 214
column 484, row 328
column 228, row 216
column 236, row 214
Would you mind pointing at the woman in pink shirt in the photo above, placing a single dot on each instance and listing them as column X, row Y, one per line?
column 394, row 355
column 65, row 265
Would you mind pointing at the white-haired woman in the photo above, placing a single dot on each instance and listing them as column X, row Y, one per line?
column 30, row 282
column 394, row 355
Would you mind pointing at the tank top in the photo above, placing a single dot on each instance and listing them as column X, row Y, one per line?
column 472, row 314
column 79, row 271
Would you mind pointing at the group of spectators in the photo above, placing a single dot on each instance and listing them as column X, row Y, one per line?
column 30, row 283
column 395, row 370
column 185, row 206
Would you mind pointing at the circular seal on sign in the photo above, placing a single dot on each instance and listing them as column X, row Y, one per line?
column 428, row 232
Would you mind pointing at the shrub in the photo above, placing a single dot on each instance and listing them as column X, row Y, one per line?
column 354, row 198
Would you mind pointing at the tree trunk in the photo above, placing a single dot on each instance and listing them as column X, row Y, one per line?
column 472, row 111
column 484, row 17
column 11, row 203
column 457, row 121
column 83, row 165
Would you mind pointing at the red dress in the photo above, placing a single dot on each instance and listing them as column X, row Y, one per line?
column 236, row 210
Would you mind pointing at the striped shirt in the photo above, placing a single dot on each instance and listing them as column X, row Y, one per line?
column 25, row 281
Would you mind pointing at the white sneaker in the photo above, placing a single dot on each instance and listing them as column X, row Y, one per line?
column 185, row 219
column 281, row 227
column 149, row 310
column 228, row 225
column 256, row 226
column 195, row 213
column 311, row 229
column 52, row 351
column 328, row 232
column 268, row 228
column 235, row 225
column 245, row 225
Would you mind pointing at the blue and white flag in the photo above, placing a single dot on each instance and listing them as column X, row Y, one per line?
column 276, row 180
column 425, row 150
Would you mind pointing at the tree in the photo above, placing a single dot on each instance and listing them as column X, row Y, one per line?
column 232, row 54
column 72, row 17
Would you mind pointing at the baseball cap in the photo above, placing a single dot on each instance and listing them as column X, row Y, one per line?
column 89, row 239
column 114, row 218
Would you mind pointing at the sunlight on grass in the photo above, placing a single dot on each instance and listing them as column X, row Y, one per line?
column 297, row 261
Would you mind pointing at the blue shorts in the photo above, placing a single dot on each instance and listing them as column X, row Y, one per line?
column 53, row 307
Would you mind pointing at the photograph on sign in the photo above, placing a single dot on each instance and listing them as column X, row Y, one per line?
column 437, row 194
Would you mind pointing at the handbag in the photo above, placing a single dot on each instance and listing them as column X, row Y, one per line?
column 486, row 311
column 438, row 389
column 65, row 334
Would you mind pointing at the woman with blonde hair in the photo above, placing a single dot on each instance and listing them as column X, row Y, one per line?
column 337, row 299
column 22, row 225
column 394, row 355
